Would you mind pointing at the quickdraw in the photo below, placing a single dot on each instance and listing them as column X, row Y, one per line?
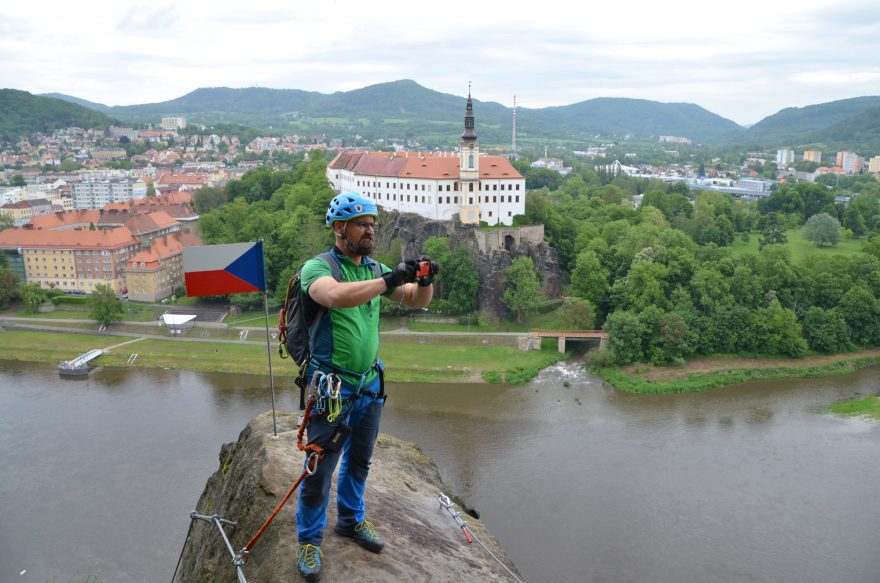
column 446, row 503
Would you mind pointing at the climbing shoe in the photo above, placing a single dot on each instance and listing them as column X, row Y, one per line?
column 364, row 535
column 309, row 562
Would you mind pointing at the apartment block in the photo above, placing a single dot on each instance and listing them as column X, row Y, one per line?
column 155, row 271
column 73, row 260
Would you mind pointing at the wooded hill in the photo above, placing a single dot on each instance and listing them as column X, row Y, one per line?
column 406, row 110
column 22, row 113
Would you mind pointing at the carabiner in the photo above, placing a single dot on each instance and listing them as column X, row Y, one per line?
column 333, row 390
column 311, row 469
column 313, row 386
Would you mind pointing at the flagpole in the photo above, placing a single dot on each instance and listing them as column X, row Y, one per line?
column 269, row 355
column 268, row 343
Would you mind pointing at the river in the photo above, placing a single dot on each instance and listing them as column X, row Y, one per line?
column 579, row 482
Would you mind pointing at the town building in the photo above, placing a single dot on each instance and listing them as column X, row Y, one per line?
column 173, row 122
column 24, row 210
column 95, row 193
column 436, row 185
column 851, row 163
column 73, row 260
column 874, row 165
column 813, row 156
column 784, row 158
column 156, row 271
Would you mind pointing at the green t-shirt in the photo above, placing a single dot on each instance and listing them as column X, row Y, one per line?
column 347, row 338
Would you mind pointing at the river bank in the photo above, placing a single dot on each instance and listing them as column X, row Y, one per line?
column 704, row 374
column 406, row 360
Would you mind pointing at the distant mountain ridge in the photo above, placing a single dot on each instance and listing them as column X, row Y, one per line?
column 404, row 109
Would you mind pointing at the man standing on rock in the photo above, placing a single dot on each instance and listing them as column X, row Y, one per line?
column 346, row 343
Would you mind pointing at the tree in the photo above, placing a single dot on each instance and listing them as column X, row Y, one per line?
column 104, row 306
column 32, row 295
column 861, row 312
column 785, row 333
column 522, row 293
column 8, row 286
column 625, row 332
column 577, row 313
column 208, row 198
column 822, row 229
column 826, row 330
column 589, row 279
column 6, row 221
column 462, row 280
column 772, row 232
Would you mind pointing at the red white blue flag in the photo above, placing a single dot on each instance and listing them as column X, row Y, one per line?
column 235, row 268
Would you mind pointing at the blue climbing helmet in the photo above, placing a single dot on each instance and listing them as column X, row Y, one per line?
column 349, row 205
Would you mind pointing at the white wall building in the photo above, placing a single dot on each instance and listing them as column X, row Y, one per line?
column 784, row 158
column 96, row 193
column 177, row 122
column 436, row 185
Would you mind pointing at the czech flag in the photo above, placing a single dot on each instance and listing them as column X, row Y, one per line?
column 212, row 270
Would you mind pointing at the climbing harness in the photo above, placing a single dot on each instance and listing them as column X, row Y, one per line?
column 446, row 503
column 330, row 388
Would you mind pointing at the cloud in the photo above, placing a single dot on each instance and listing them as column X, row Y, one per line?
column 146, row 18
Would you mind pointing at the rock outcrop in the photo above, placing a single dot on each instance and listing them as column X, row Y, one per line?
column 409, row 231
column 422, row 542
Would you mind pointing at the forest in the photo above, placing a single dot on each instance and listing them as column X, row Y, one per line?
column 685, row 274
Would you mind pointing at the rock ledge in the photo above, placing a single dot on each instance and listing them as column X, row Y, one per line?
column 422, row 542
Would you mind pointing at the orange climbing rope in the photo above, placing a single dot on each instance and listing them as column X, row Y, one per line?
column 315, row 455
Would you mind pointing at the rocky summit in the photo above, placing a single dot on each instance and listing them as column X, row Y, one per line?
column 422, row 541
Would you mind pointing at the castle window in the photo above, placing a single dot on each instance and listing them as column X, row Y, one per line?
column 494, row 187
column 494, row 199
column 471, row 187
column 456, row 200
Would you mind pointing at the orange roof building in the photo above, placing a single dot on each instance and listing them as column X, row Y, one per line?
column 155, row 271
column 436, row 185
column 73, row 259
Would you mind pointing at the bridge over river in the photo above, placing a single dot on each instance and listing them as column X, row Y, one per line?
column 536, row 335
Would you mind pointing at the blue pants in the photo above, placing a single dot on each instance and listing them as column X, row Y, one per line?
column 363, row 416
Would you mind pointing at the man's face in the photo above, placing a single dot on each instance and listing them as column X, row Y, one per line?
column 357, row 235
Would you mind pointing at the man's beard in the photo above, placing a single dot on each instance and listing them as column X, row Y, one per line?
column 363, row 247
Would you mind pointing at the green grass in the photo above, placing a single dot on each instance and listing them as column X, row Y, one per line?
column 800, row 248
column 868, row 407
column 697, row 382
column 405, row 362
column 136, row 314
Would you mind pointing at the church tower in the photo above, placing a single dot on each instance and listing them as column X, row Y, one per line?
column 469, row 149
column 469, row 168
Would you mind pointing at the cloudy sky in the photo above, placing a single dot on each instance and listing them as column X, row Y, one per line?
column 743, row 60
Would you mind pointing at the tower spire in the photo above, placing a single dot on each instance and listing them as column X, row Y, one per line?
column 469, row 135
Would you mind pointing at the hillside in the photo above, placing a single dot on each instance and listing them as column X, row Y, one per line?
column 800, row 125
column 402, row 109
column 22, row 113
column 860, row 132
column 642, row 117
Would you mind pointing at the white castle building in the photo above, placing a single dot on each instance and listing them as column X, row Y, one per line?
column 436, row 185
